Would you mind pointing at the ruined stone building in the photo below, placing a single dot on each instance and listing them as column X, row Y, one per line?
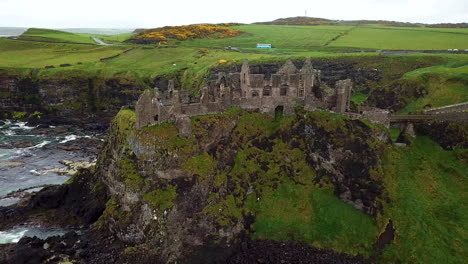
column 279, row 92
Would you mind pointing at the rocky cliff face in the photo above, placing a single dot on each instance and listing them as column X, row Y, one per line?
column 181, row 195
column 76, row 99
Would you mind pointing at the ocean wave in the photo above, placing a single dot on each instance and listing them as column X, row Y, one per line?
column 12, row 236
column 71, row 138
column 40, row 145
column 22, row 125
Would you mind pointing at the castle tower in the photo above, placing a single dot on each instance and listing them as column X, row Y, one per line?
column 177, row 107
column 245, row 78
column 288, row 68
column 307, row 74
column 307, row 68
column 343, row 95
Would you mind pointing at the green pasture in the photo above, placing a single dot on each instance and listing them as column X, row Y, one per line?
column 401, row 39
column 29, row 54
column 282, row 37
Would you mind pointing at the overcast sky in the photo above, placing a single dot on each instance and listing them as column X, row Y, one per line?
column 146, row 13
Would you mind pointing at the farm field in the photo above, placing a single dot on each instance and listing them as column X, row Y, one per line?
column 403, row 39
column 29, row 54
column 283, row 37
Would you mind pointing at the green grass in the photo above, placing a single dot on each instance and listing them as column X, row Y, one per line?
column 426, row 29
column 427, row 187
column 27, row 54
column 394, row 133
column 358, row 98
column 115, row 38
column 445, row 84
column 316, row 216
column 282, row 37
column 49, row 35
column 160, row 200
column 381, row 38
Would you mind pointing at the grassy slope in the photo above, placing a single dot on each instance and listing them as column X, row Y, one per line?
column 115, row 38
column 445, row 84
column 39, row 34
column 409, row 39
column 428, row 190
column 315, row 216
column 27, row 54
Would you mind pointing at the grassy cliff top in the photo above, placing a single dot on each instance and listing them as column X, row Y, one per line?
column 49, row 35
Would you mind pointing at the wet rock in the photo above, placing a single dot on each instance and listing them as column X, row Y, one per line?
column 268, row 251
column 43, row 126
column 386, row 237
column 448, row 135
column 11, row 164
column 29, row 251
column 71, row 168
column 19, row 144
column 69, row 147
column 76, row 200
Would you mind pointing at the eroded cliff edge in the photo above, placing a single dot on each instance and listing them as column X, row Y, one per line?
column 242, row 174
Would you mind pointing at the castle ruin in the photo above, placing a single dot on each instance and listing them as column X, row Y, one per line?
column 279, row 92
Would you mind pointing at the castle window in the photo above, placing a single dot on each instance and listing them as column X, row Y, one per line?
column 301, row 93
column 266, row 91
column 254, row 94
column 284, row 91
column 244, row 77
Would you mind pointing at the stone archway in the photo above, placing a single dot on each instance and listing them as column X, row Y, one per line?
column 279, row 111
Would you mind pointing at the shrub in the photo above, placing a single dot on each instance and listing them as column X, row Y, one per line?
column 161, row 35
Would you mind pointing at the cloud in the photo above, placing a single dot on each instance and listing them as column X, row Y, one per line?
column 141, row 13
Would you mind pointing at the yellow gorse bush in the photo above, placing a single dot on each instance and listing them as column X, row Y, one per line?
column 188, row 32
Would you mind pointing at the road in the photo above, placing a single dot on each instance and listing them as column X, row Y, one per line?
column 100, row 42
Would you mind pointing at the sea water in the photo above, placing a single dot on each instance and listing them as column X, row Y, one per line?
column 14, row 235
column 39, row 153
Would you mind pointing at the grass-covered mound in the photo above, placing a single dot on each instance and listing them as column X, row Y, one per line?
column 49, row 35
column 164, row 34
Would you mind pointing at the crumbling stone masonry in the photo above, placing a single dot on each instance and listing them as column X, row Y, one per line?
column 279, row 92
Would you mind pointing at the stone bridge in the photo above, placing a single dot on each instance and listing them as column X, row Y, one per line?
column 457, row 113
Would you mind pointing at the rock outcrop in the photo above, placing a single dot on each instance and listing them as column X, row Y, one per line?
column 172, row 192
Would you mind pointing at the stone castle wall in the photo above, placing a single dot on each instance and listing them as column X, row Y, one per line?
column 282, row 91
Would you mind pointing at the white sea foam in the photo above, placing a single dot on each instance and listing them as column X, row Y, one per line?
column 35, row 172
column 22, row 125
column 12, row 236
column 68, row 138
column 40, row 145
column 71, row 138
column 9, row 201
